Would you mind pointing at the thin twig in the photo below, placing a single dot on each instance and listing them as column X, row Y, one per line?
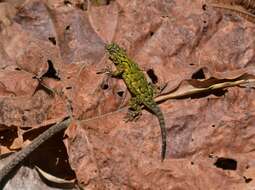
column 18, row 157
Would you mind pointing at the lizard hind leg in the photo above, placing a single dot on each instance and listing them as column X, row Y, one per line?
column 135, row 110
column 157, row 89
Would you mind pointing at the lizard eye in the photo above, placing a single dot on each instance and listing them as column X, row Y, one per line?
column 112, row 47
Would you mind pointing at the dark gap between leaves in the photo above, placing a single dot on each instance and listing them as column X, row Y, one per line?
column 219, row 92
column 66, row 2
column 56, row 153
column 53, row 40
column 8, row 136
column 198, row 74
column 104, row 86
column 204, row 7
column 68, row 27
column 226, row 163
column 152, row 76
column 120, row 93
column 216, row 92
column 51, row 73
column 247, row 180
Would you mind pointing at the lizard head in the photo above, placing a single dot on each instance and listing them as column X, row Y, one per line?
column 116, row 53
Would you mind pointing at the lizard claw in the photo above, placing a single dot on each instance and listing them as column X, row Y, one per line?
column 132, row 116
column 106, row 70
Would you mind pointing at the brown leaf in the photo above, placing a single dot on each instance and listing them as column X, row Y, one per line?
column 194, row 51
column 198, row 88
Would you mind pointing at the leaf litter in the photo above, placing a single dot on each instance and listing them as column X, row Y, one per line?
column 206, row 114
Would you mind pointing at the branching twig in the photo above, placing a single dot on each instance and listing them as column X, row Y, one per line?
column 18, row 157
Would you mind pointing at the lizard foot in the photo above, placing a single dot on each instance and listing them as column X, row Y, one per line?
column 132, row 115
column 157, row 89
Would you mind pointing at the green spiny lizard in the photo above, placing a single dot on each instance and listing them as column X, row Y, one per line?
column 142, row 92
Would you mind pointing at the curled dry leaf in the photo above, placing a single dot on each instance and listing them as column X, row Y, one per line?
column 199, row 88
column 56, row 181
column 246, row 8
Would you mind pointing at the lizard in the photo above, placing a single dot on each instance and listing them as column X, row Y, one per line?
column 141, row 90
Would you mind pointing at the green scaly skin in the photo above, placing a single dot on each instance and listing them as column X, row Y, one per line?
column 142, row 92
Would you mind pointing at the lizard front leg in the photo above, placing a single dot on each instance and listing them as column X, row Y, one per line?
column 117, row 73
column 135, row 109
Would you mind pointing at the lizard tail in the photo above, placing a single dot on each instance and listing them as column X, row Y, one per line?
column 162, row 125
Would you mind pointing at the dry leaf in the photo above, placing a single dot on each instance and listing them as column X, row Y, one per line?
column 195, row 51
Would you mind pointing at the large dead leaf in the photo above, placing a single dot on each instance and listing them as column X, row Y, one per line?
column 197, row 52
